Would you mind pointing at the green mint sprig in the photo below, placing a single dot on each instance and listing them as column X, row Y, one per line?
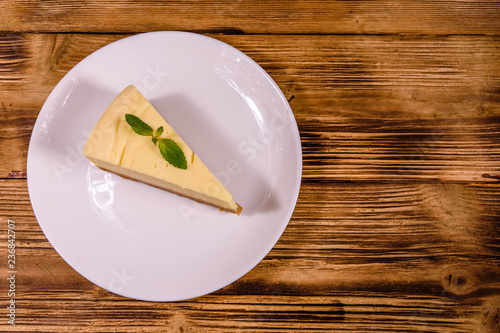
column 169, row 150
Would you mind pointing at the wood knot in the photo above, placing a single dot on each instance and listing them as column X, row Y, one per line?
column 460, row 282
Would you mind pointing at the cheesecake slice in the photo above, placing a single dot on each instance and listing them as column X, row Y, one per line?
column 122, row 143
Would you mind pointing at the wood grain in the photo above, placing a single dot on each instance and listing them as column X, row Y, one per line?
column 397, row 224
column 368, row 108
column 263, row 17
column 351, row 259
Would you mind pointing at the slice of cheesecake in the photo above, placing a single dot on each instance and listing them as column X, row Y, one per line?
column 132, row 140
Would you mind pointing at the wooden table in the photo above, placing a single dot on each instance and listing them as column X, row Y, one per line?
column 397, row 223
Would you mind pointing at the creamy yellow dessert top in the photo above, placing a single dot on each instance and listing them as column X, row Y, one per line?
column 115, row 147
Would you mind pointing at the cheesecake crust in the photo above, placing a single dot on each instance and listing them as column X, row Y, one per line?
column 236, row 211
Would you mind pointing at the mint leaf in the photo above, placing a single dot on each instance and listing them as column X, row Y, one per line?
column 138, row 126
column 170, row 150
column 159, row 131
column 172, row 153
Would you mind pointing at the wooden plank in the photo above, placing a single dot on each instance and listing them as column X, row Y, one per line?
column 344, row 228
column 453, row 150
column 339, row 312
column 368, row 107
column 426, row 72
column 263, row 17
column 355, row 257
column 396, row 209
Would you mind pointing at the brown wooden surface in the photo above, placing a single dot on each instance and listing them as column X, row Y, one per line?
column 397, row 224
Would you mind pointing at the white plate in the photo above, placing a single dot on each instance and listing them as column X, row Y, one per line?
column 141, row 242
